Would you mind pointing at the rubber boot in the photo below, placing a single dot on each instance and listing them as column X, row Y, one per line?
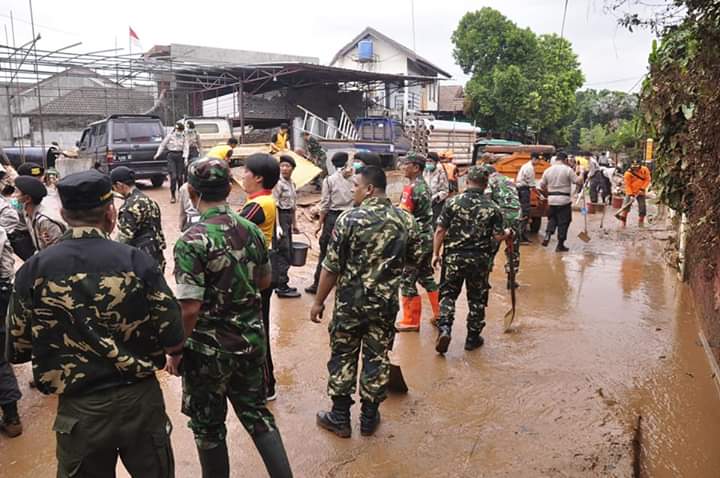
column 474, row 341
column 369, row 418
column 272, row 451
column 443, row 341
column 434, row 298
column 412, row 309
column 337, row 420
column 641, row 221
column 215, row 462
column 561, row 247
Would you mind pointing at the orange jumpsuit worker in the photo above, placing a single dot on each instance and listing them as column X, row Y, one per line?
column 637, row 180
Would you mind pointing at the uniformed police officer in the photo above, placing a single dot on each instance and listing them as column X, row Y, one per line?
column 45, row 230
column 465, row 231
column 96, row 318
column 139, row 220
column 221, row 265
column 417, row 200
column 370, row 246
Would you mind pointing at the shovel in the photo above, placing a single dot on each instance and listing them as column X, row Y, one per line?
column 584, row 236
column 510, row 314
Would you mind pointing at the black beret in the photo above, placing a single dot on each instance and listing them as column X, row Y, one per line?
column 122, row 174
column 287, row 159
column 339, row 159
column 30, row 169
column 33, row 187
column 85, row 190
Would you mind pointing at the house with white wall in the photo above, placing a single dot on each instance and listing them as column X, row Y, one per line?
column 373, row 51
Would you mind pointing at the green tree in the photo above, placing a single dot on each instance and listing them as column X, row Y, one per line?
column 522, row 85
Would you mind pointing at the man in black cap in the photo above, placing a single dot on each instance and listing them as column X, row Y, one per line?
column 139, row 220
column 176, row 144
column 285, row 195
column 44, row 229
column 96, row 318
column 31, row 169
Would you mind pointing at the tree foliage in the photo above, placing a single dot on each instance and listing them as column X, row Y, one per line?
column 522, row 84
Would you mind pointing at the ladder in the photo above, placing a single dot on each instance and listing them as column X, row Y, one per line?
column 345, row 128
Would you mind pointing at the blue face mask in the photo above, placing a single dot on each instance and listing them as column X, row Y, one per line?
column 430, row 167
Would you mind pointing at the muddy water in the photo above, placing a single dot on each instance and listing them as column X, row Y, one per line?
column 604, row 333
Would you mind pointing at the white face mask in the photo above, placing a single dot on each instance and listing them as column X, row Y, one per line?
column 197, row 205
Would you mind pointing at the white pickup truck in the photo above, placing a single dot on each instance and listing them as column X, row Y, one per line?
column 212, row 131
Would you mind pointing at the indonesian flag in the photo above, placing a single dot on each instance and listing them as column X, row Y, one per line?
column 134, row 39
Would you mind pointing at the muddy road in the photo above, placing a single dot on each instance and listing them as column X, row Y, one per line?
column 605, row 334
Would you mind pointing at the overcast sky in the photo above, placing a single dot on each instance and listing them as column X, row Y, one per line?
column 610, row 56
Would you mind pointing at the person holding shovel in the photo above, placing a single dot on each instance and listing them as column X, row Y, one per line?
column 636, row 180
column 371, row 245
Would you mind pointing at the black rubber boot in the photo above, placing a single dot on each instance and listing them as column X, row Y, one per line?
column 337, row 420
column 215, row 462
column 546, row 240
column 272, row 451
column 312, row 289
column 561, row 247
column 369, row 418
column 443, row 341
column 474, row 341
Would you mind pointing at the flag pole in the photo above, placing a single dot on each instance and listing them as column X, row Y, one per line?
column 130, row 56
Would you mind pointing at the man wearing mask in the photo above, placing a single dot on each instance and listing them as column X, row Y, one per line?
column 175, row 144
column 44, row 230
column 335, row 199
column 436, row 178
column 192, row 146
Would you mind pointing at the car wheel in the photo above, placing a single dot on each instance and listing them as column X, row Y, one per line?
column 157, row 181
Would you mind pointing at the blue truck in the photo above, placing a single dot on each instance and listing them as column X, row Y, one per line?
column 381, row 135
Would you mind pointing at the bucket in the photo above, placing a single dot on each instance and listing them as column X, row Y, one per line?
column 299, row 254
column 617, row 201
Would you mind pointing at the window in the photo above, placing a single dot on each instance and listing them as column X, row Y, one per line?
column 101, row 133
column 119, row 133
column 144, row 132
column 93, row 137
column 367, row 130
column 207, row 128
column 379, row 133
column 397, row 130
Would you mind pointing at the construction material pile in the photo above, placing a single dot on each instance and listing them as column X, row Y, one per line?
column 428, row 135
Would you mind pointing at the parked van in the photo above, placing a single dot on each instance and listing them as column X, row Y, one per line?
column 126, row 140
column 212, row 131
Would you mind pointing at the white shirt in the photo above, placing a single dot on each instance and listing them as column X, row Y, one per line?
column 526, row 175
column 558, row 180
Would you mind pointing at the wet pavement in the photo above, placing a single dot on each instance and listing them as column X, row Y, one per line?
column 604, row 334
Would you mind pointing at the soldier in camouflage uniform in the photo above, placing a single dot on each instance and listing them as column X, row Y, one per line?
column 221, row 264
column 316, row 152
column 139, row 221
column 417, row 199
column 96, row 318
column 369, row 249
column 503, row 193
column 466, row 229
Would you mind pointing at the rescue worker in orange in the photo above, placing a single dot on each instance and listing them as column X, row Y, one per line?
column 636, row 180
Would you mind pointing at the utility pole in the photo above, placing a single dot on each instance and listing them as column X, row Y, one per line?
column 37, row 85
column 412, row 15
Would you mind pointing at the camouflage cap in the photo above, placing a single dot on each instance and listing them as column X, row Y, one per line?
column 209, row 174
column 489, row 169
column 478, row 174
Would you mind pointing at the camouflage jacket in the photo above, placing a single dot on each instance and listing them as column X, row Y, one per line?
column 216, row 262
column 417, row 200
column 369, row 247
column 503, row 192
column 316, row 152
column 471, row 220
column 139, row 224
column 91, row 313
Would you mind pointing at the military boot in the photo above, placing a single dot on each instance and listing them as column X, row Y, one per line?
column 546, row 239
column 272, row 451
column 214, row 462
column 337, row 420
column 369, row 418
column 474, row 341
column 443, row 341
column 10, row 423
column 561, row 247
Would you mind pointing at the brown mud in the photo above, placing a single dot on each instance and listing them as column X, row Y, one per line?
column 604, row 334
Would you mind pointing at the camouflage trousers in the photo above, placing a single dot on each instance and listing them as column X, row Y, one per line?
column 514, row 257
column 422, row 273
column 209, row 382
column 473, row 271
column 353, row 332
